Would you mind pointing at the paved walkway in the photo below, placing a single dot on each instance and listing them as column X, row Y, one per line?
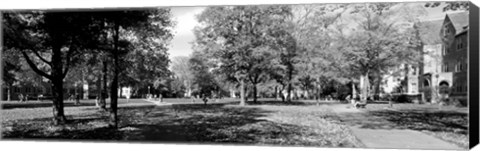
column 400, row 139
column 393, row 138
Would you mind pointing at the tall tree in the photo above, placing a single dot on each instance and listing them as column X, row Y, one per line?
column 151, row 29
column 314, row 32
column 181, row 69
column 233, row 35
column 383, row 38
column 52, row 38
column 203, row 80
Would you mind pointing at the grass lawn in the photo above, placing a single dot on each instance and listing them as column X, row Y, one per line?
column 448, row 123
column 265, row 124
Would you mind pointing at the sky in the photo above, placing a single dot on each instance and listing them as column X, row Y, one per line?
column 183, row 33
column 186, row 21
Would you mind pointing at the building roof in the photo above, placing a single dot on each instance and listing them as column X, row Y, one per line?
column 459, row 21
column 429, row 31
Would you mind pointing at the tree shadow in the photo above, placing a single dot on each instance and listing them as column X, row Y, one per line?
column 214, row 123
column 24, row 105
column 444, row 121
column 292, row 103
column 182, row 123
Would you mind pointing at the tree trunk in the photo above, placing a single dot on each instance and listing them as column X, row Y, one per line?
column 103, row 95
column 275, row 94
column 254, row 93
column 57, row 86
column 289, row 84
column 58, row 112
column 114, row 84
column 9, row 93
column 364, row 86
column 99, row 91
column 242, row 92
column 377, row 87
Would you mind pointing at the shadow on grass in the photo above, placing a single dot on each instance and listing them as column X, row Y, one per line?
column 43, row 104
column 293, row 102
column 198, row 123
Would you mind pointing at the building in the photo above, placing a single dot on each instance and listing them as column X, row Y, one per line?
column 454, row 35
column 443, row 65
column 430, row 73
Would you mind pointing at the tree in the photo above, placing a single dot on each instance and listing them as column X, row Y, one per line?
column 382, row 40
column 181, row 69
column 151, row 30
column 450, row 6
column 11, row 68
column 203, row 80
column 233, row 35
column 314, row 33
column 55, row 39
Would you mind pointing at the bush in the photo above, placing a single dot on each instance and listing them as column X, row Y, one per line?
column 404, row 98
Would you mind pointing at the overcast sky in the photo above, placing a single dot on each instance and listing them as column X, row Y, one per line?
column 186, row 21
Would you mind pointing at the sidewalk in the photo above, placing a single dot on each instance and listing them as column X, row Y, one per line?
column 400, row 139
column 158, row 103
column 391, row 138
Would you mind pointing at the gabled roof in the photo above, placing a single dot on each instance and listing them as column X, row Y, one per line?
column 459, row 21
column 429, row 31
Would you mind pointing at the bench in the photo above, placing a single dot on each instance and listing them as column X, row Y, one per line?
column 360, row 104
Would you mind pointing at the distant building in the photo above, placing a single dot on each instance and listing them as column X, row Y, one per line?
column 444, row 61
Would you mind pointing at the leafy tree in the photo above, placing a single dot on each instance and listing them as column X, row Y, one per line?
column 450, row 6
column 314, row 33
column 54, row 39
column 236, row 38
column 203, row 80
column 382, row 40
column 181, row 69
column 150, row 28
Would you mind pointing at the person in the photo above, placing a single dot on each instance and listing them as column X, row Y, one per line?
column 20, row 97
column 77, row 99
column 128, row 97
column 205, row 100
column 97, row 100
column 348, row 98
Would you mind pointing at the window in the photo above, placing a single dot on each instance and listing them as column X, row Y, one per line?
column 445, row 68
column 458, row 67
column 459, row 42
column 444, row 51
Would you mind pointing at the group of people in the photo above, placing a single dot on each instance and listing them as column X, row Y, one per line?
column 22, row 98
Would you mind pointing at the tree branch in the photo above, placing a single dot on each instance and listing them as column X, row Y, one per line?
column 34, row 67
column 41, row 58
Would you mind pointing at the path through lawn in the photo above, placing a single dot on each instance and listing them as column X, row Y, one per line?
column 407, row 126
